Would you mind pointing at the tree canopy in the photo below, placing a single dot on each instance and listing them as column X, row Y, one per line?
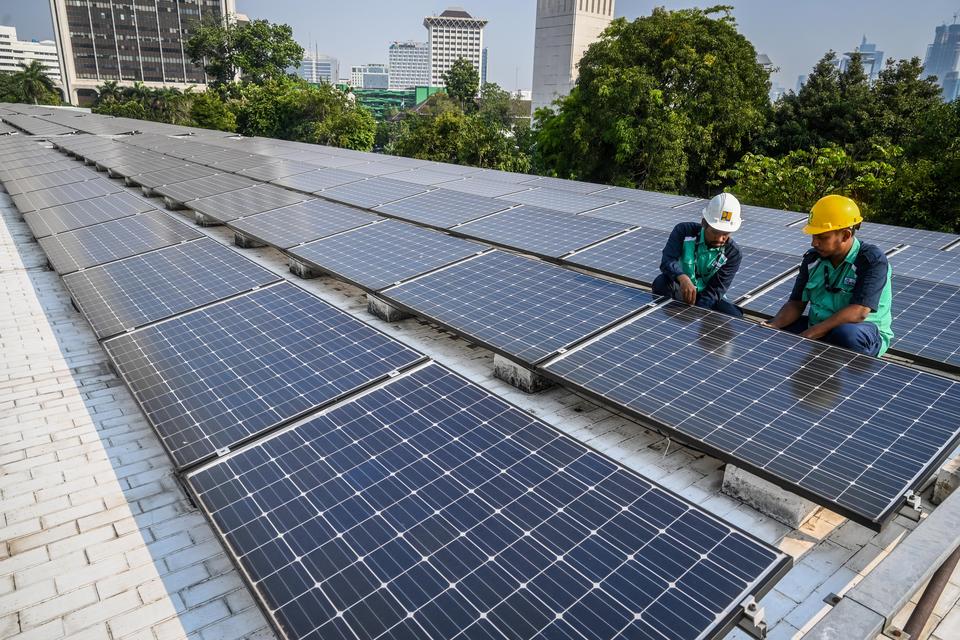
column 462, row 82
column 257, row 50
column 30, row 84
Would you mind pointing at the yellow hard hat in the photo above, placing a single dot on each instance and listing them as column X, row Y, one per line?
column 832, row 213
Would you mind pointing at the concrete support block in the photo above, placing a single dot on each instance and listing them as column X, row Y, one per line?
column 302, row 270
column 112, row 174
column 171, row 204
column 948, row 479
column 146, row 191
column 519, row 376
column 384, row 310
column 766, row 497
column 203, row 220
column 245, row 241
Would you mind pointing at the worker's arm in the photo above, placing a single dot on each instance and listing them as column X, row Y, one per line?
column 721, row 282
column 851, row 314
column 671, row 266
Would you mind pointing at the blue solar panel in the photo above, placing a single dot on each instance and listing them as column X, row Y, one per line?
column 540, row 231
column 928, row 264
column 383, row 254
column 374, row 192
column 523, row 308
column 634, row 256
column 649, row 216
column 432, row 509
column 213, row 378
column 443, row 208
column 301, row 223
column 887, row 235
column 850, row 432
column 557, row 200
column 85, row 213
column 926, row 320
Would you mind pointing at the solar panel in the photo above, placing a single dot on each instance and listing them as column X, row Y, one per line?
column 229, row 206
column 928, row 264
column 36, row 170
column 769, row 302
column 47, row 180
column 85, row 213
column 789, row 240
column 277, row 170
column 558, row 200
column 331, row 162
column 651, row 216
column 211, row 379
column 21, row 160
column 443, row 208
column 452, row 169
column 318, row 180
column 926, row 319
column 368, row 194
column 484, row 188
column 541, row 231
column 507, row 177
column 431, row 509
column 375, row 168
column 571, row 186
column 173, row 175
column 847, row 431
column 147, row 164
column 651, row 198
column 245, row 162
column 634, row 256
column 301, row 223
column 425, row 177
column 65, row 194
column 766, row 215
column 382, row 254
column 204, row 187
column 109, row 241
column 131, row 293
column 890, row 235
column 520, row 307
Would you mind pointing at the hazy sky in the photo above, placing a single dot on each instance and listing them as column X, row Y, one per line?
column 794, row 33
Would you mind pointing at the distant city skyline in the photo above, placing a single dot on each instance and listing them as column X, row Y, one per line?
column 794, row 35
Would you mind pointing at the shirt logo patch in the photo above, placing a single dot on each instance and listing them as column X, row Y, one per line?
column 850, row 281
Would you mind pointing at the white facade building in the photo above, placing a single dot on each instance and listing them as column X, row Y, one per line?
column 370, row 76
column 452, row 35
column 319, row 68
column 565, row 29
column 409, row 65
column 16, row 53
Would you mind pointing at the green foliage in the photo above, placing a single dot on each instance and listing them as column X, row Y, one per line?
column 663, row 102
column 209, row 111
column 30, row 85
column 124, row 109
column 462, row 82
column 258, row 50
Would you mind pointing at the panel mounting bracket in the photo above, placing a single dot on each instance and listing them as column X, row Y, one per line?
column 752, row 618
column 913, row 508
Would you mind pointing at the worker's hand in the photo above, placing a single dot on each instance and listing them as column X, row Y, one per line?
column 813, row 333
column 767, row 325
column 688, row 292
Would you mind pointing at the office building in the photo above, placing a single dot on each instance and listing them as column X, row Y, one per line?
column 318, row 68
column 409, row 65
column 943, row 59
column 564, row 31
column 16, row 53
column 871, row 59
column 370, row 76
column 452, row 35
column 483, row 68
column 129, row 41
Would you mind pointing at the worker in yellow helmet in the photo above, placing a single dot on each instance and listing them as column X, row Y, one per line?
column 845, row 282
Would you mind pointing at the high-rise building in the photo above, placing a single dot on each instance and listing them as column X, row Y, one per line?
column 16, row 53
column 129, row 41
column 452, row 35
column 484, row 67
column 409, row 65
column 943, row 59
column 565, row 28
column 370, row 76
column 318, row 68
column 871, row 59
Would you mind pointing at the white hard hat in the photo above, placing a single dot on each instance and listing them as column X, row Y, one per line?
column 723, row 213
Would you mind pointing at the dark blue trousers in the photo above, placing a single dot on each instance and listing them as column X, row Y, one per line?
column 862, row 337
column 666, row 286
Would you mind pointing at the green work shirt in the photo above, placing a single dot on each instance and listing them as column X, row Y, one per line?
column 700, row 261
column 863, row 278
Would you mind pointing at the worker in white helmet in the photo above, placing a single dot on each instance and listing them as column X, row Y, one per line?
column 701, row 260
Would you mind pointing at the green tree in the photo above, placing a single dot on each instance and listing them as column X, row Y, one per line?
column 209, row 111
column 462, row 82
column 663, row 102
column 108, row 91
column 904, row 101
column 32, row 84
column 258, row 50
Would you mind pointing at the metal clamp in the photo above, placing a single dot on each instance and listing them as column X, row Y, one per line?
column 914, row 506
column 752, row 618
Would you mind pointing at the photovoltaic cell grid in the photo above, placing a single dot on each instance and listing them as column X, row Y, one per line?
column 557, row 200
column 182, row 173
column 204, row 187
column 850, row 432
column 926, row 319
column 213, row 378
column 36, row 170
column 768, row 303
column 760, row 268
column 64, row 194
column 485, row 188
column 884, row 234
column 541, row 231
column 131, row 293
column 774, row 217
column 229, row 206
column 68, row 217
column 374, row 192
column 651, row 198
column 423, row 176
column 386, row 253
column 277, row 170
column 634, row 256
column 102, row 243
column 443, row 208
column 69, row 176
column 301, row 223
column 318, row 180
column 432, row 509
column 572, row 186
column 650, row 216
column 523, row 308
column 928, row 264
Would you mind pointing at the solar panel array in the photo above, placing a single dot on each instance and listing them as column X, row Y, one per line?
column 68, row 217
column 231, row 205
column 302, row 223
column 443, row 208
